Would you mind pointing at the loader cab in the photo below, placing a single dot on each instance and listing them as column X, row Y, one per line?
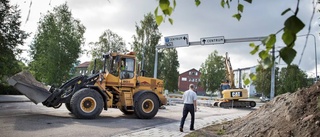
column 126, row 68
column 122, row 66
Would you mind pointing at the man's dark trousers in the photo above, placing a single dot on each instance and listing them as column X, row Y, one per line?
column 186, row 109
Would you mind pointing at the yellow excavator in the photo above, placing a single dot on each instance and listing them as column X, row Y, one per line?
column 231, row 96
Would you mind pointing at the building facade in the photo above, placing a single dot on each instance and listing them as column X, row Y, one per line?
column 82, row 69
column 191, row 76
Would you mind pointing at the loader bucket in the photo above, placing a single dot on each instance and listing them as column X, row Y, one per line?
column 25, row 83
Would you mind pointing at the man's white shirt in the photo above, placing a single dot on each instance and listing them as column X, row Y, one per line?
column 189, row 96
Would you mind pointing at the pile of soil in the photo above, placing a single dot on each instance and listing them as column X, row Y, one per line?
column 27, row 78
column 292, row 114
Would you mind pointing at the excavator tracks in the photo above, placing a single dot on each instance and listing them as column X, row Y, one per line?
column 235, row 104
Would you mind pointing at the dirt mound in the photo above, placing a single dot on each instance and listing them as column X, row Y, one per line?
column 27, row 78
column 296, row 114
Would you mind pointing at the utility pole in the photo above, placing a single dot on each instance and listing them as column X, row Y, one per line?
column 272, row 74
column 315, row 53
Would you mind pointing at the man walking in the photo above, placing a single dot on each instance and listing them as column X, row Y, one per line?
column 190, row 105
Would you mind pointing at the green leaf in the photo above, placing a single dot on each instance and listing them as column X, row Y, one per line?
column 252, row 76
column 288, row 38
column 252, row 45
column 170, row 10
column 259, row 68
column 240, row 7
column 249, row 1
column 293, row 24
column 255, row 50
column 166, row 12
column 164, row 4
column 263, row 54
column 198, row 2
column 227, row 2
column 174, row 4
column 159, row 19
column 264, row 41
column 171, row 21
column 287, row 54
column 267, row 62
column 222, row 3
column 247, row 81
column 156, row 12
column 285, row 11
column 270, row 41
column 238, row 16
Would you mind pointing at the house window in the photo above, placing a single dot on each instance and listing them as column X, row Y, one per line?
column 196, row 73
column 190, row 72
column 80, row 71
column 183, row 79
column 196, row 80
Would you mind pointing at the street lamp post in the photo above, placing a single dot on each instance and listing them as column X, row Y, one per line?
column 315, row 53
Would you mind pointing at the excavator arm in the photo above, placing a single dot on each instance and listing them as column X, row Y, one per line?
column 229, row 71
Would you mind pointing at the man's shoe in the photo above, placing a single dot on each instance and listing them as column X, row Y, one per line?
column 191, row 128
column 181, row 129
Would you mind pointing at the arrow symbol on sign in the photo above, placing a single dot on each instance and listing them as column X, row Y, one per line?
column 204, row 41
column 186, row 39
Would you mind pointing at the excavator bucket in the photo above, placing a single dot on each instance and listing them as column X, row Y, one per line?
column 25, row 83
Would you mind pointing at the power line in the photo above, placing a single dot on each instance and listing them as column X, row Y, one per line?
column 309, row 29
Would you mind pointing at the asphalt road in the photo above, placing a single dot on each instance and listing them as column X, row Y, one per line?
column 27, row 119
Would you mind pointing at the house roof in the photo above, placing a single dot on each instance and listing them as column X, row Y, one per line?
column 193, row 69
column 84, row 64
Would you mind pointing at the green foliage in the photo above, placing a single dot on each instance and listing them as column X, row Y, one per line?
column 56, row 46
column 167, row 8
column 212, row 72
column 168, row 67
column 291, row 78
column 144, row 43
column 11, row 37
column 108, row 42
column 263, row 81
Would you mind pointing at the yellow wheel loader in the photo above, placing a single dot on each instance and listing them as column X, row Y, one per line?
column 118, row 85
column 231, row 96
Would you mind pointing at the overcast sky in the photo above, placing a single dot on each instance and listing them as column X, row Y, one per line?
column 260, row 18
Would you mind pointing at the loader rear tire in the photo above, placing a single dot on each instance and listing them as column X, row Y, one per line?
column 146, row 106
column 86, row 104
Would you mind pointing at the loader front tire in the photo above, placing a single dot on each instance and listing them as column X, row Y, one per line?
column 147, row 106
column 86, row 104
